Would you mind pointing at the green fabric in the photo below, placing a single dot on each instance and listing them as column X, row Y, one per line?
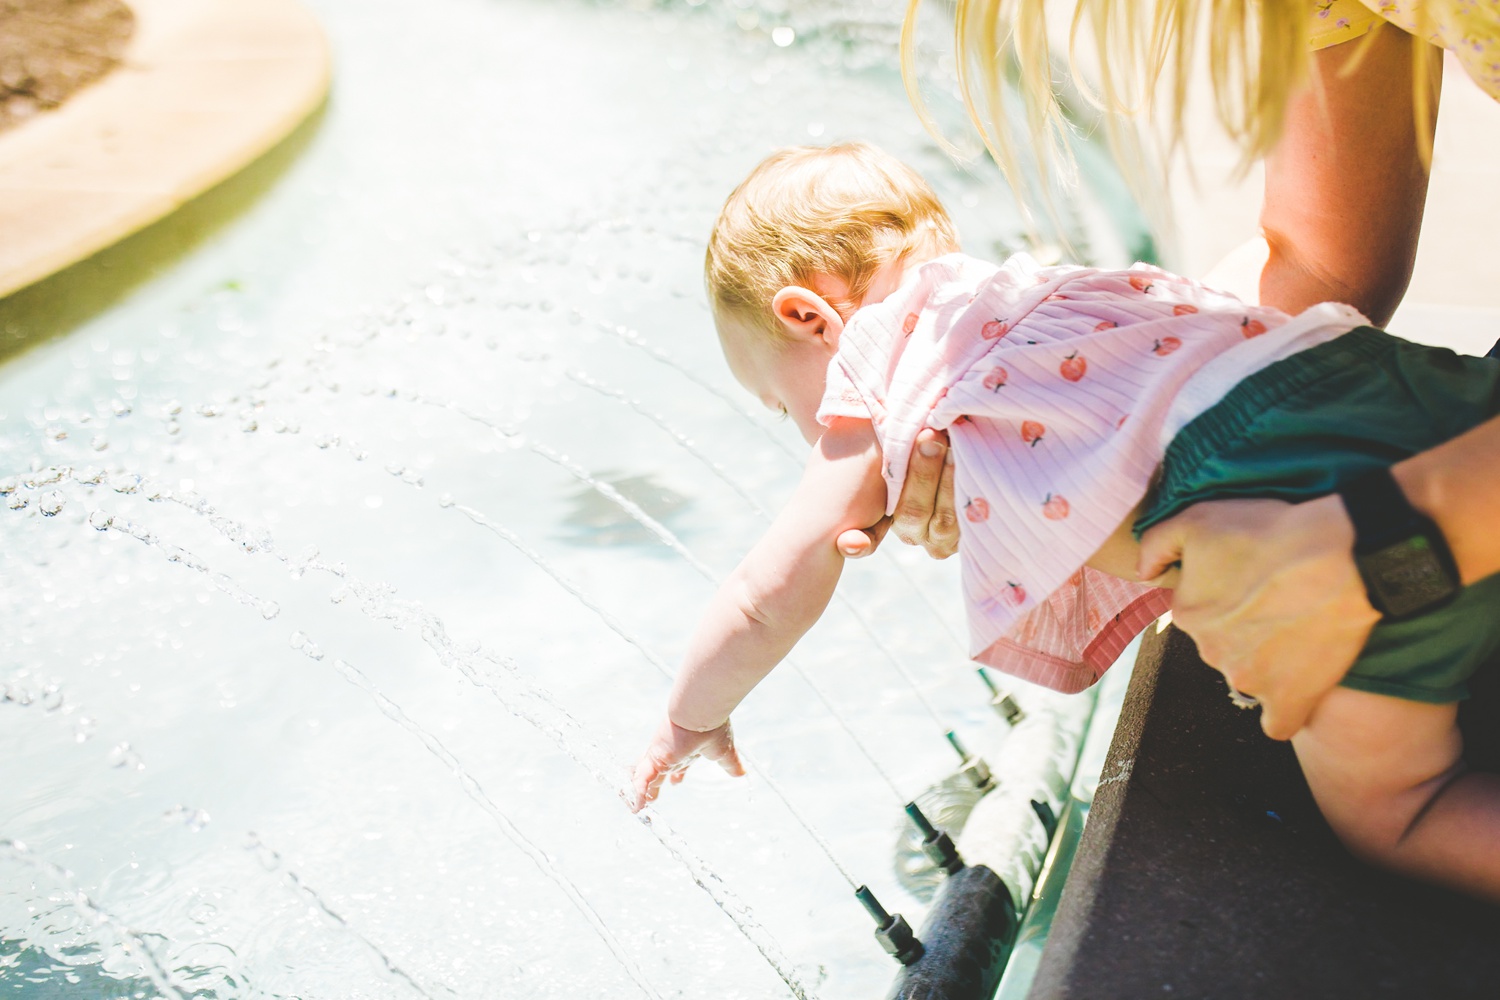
column 1298, row 428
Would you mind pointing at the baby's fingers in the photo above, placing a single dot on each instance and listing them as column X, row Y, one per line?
column 722, row 749
column 645, row 783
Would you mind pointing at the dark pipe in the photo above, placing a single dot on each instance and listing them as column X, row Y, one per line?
column 968, row 936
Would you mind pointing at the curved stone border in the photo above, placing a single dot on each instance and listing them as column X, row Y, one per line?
column 205, row 87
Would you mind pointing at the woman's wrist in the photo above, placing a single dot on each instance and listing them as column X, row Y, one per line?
column 1455, row 484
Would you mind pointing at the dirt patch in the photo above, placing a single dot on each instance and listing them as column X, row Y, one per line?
column 51, row 48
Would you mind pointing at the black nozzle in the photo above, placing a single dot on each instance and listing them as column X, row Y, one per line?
column 936, row 844
column 974, row 768
column 891, row 929
column 1003, row 702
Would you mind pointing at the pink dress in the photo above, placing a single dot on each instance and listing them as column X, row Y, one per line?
column 1055, row 385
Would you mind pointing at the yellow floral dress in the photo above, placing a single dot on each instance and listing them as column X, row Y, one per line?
column 1470, row 29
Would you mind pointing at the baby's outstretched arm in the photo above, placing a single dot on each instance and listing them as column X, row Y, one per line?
column 770, row 600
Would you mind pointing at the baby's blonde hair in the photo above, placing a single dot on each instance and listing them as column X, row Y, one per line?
column 844, row 211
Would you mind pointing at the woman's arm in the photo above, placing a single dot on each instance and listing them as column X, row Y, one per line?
column 1270, row 592
column 1346, row 185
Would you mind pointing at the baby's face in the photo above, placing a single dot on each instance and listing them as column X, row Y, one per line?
column 786, row 376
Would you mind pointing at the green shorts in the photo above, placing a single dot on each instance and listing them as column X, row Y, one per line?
column 1298, row 428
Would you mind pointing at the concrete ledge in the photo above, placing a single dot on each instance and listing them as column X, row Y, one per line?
column 1206, row 871
column 205, row 87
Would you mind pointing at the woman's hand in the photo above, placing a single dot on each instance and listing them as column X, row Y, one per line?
column 670, row 752
column 925, row 513
column 1270, row 593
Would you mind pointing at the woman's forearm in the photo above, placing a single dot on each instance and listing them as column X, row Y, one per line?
column 1457, row 484
column 1346, row 185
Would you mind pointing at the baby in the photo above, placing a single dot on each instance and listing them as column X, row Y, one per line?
column 1083, row 406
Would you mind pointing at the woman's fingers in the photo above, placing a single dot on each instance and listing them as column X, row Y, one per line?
column 1270, row 593
column 1161, row 548
column 925, row 512
column 942, row 530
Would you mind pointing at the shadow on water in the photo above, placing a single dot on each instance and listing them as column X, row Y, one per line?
column 60, row 303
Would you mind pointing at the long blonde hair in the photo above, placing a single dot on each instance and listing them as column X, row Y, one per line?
column 1258, row 57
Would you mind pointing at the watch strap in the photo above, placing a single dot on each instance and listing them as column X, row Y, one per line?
column 1401, row 553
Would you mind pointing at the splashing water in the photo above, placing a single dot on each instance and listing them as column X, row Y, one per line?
column 399, row 356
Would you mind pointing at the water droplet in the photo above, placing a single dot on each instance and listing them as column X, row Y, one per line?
column 172, row 409
column 100, row 521
column 446, row 500
column 127, row 482
column 194, row 819
column 249, row 426
column 210, row 410
column 89, row 477
column 120, row 408
column 326, row 440
column 99, row 443
column 56, row 433
column 51, row 503
column 306, row 646
column 123, row 756
column 173, row 427
column 269, row 609
column 16, row 502
column 9, row 485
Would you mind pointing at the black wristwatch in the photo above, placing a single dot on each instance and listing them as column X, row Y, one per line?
column 1402, row 556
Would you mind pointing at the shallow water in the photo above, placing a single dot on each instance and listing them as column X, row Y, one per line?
column 350, row 518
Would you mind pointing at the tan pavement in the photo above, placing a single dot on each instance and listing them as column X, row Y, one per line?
column 206, row 87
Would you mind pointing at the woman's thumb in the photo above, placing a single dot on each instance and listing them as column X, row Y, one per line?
column 1161, row 549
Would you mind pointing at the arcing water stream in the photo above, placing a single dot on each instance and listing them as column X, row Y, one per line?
column 366, row 526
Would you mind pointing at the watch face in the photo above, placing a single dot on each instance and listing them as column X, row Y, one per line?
column 1407, row 577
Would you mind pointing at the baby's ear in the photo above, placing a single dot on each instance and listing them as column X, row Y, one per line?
column 806, row 314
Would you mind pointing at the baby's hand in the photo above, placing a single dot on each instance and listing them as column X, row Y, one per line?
column 670, row 752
